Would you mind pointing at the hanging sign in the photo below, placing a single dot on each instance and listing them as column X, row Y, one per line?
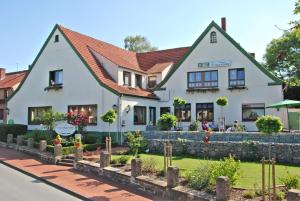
column 64, row 129
column 213, row 64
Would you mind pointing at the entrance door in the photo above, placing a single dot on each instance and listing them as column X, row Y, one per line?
column 152, row 116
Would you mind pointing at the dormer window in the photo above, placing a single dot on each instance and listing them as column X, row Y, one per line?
column 126, row 78
column 151, row 82
column 56, row 78
column 213, row 37
column 56, row 38
column 138, row 80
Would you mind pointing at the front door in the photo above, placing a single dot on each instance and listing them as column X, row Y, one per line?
column 152, row 116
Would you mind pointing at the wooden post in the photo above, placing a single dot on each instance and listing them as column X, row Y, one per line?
column 106, row 143
column 165, row 161
column 170, row 154
column 273, row 179
column 263, row 178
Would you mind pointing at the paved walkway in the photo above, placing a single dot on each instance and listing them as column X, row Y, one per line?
column 84, row 184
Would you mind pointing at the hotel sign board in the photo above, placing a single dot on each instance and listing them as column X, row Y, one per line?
column 215, row 64
column 64, row 129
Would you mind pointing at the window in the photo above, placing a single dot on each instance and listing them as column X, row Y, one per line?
column 165, row 110
column 203, row 79
column 138, row 80
column 35, row 114
column 205, row 111
column 250, row 112
column 89, row 110
column 152, row 116
column 56, row 77
column 127, row 78
column 213, row 37
column 56, row 38
column 139, row 117
column 184, row 112
column 151, row 81
column 1, row 114
column 236, row 77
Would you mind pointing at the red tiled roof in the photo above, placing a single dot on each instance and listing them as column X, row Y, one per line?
column 141, row 62
column 159, row 67
column 11, row 79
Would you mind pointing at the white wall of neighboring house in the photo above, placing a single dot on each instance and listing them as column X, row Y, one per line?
column 257, row 90
column 133, row 73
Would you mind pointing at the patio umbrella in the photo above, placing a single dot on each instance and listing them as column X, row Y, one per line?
column 285, row 104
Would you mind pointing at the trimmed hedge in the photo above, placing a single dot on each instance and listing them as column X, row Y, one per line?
column 15, row 129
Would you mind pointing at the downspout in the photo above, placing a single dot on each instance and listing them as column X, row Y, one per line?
column 120, row 117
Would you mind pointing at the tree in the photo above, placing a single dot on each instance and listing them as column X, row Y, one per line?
column 179, row 103
column 166, row 122
column 222, row 101
column 109, row 117
column 296, row 23
column 283, row 57
column 138, row 44
column 49, row 118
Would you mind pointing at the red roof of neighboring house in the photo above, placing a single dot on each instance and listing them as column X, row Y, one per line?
column 12, row 79
column 141, row 62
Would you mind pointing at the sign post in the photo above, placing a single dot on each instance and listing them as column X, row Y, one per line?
column 64, row 129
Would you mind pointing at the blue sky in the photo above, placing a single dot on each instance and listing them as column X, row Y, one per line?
column 25, row 25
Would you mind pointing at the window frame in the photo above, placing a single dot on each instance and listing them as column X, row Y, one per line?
column 56, row 38
column 229, row 80
column 202, row 109
column 148, row 83
column 53, row 72
column 144, row 108
column 29, row 114
column 154, row 109
column 87, row 105
column 202, row 79
column 213, row 37
column 140, row 85
column 187, row 110
column 160, row 110
column 125, row 74
column 252, row 120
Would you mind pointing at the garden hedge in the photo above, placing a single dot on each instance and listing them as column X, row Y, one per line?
column 15, row 129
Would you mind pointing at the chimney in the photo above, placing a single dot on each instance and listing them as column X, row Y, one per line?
column 223, row 23
column 2, row 73
column 252, row 54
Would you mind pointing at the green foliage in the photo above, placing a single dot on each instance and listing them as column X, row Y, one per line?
column 39, row 135
column 138, row 44
column 178, row 102
column 249, row 194
column 282, row 57
column 15, row 129
column 269, row 124
column 290, row 181
column 194, row 126
column 167, row 121
column 68, row 150
column 280, row 195
column 50, row 148
column 136, row 142
column 205, row 176
column 222, row 101
column 109, row 117
column 49, row 118
column 90, row 139
column 150, row 165
column 91, row 147
column 122, row 160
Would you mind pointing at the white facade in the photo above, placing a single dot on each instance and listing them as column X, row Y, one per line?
column 81, row 88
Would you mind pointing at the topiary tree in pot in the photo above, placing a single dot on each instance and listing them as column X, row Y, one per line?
column 269, row 125
column 222, row 102
column 109, row 117
column 167, row 121
column 178, row 103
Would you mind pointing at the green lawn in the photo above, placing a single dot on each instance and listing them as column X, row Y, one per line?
column 250, row 171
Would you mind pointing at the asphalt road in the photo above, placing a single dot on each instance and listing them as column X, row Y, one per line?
column 16, row 186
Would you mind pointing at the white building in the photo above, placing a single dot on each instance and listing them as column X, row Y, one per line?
column 76, row 72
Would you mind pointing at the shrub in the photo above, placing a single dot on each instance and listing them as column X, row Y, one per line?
column 121, row 152
column 50, row 148
column 194, row 126
column 50, row 117
column 290, row 181
column 149, row 165
column 166, row 122
column 200, row 178
column 249, row 194
column 39, row 135
column 280, row 195
column 124, row 159
column 91, row 147
column 269, row 124
column 114, row 161
column 136, row 142
column 15, row 129
column 90, row 139
column 68, row 150
column 222, row 101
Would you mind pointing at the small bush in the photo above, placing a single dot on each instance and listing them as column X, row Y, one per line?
column 200, row 178
column 290, row 181
column 124, row 159
column 149, row 165
column 257, row 189
column 269, row 124
column 114, row 161
column 15, row 129
column 68, row 150
column 249, row 194
column 194, row 126
column 50, row 148
column 90, row 139
column 91, row 147
column 39, row 135
column 222, row 101
column 280, row 195
column 166, row 122
column 136, row 142
column 121, row 152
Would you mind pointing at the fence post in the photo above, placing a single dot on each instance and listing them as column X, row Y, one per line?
column 223, row 189
column 104, row 159
column 273, row 179
column 172, row 176
column 293, row 195
column 263, row 178
column 10, row 138
column 43, row 145
column 19, row 140
column 30, row 142
column 136, row 167
column 78, row 154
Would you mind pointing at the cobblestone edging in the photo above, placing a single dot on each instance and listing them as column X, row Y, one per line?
column 143, row 183
column 247, row 151
column 224, row 137
column 44, row 156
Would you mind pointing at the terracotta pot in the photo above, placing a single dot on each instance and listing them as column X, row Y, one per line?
column 57, row 141
column 77, row 144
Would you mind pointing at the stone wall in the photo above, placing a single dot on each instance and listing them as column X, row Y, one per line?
column 224, row 137
column 246, row 151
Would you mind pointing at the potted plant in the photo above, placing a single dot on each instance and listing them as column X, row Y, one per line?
column 57, row 140
column 222, row 101
column 109, row 117
column 77, row 143
column 179, row 103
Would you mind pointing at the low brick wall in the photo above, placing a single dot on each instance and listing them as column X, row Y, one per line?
column 247, row 151
column 143, row 183
column 224, row 137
